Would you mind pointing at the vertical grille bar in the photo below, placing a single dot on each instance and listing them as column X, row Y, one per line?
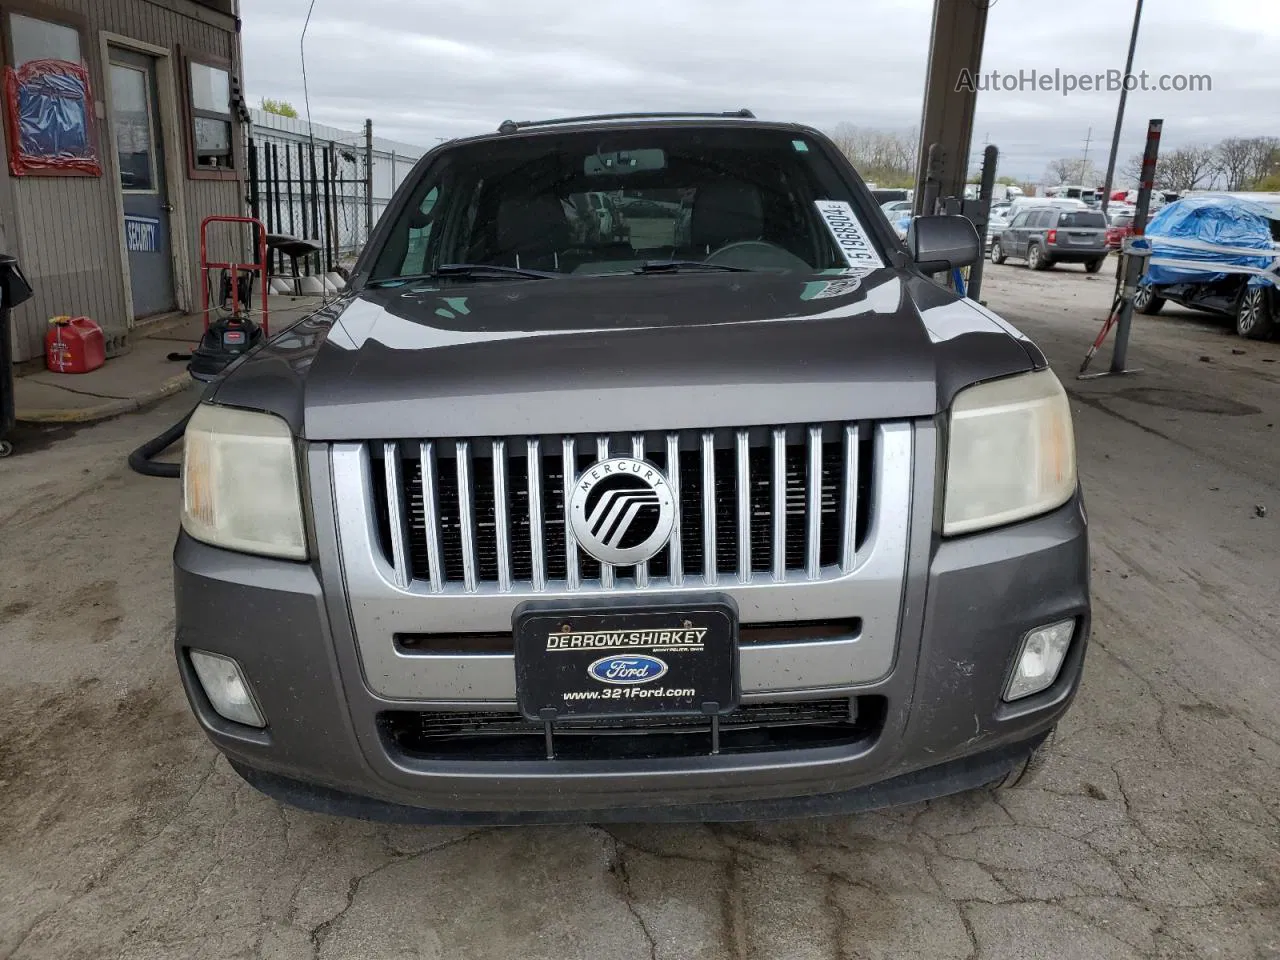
column 500, row 518
column 395, row 513
column 813, row 504
column 568, row 472
column 606, row 569
column 466, row 516
column 779, row 504
column 533, row 452
column 431, row 515
column 768, row 501
column 676, row 561
column 744, row 508
column 709, row 507
column 849, row 517
column 637, row 451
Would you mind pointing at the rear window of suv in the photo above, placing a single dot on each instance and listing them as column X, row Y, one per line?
column 605, row 201
column 1082, row 219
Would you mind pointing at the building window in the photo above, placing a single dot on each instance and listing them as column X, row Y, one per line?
column 212, row 144
column 34, row 39
column 49, row 102
column 131, row 111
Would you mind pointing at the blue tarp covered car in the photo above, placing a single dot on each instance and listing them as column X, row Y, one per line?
column 1217, row 252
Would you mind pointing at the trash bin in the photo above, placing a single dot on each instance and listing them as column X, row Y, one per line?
column 14, row 290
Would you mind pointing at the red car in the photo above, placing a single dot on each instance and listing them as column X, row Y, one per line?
column 1121, row 227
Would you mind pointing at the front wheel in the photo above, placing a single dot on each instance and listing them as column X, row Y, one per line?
column 1146, row 301
column 6, row 448
column 1093, row 266
column 1036, row 259
column 1254, row 318
column 997, row 252
column 1027, row 769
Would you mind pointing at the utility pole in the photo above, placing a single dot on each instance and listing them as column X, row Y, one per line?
column 368, row 180
column 1084, row 161
column 1124, row 93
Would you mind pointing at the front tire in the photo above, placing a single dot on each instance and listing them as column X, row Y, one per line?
column 1027, row 769
column 1145, row 301
column 1036, row 259
column 1254, row 316
column 1093, row 266
column 997, row 252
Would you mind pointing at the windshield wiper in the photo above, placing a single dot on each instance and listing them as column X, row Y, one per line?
column 468, row 271
column 675, row 266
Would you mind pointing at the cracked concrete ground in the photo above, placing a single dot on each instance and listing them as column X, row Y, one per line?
column 1154, row 831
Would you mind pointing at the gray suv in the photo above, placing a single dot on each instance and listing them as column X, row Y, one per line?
column 740, row 517
column 1045, row 236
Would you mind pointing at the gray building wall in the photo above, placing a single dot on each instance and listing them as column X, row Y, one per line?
column 65, row 230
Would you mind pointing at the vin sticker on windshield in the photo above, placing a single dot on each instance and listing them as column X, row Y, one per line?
column 847, row 231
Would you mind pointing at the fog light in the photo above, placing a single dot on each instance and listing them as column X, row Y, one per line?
column 1040, row 659
column 226, row 687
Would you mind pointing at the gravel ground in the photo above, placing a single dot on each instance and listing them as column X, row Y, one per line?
column 1154, row 831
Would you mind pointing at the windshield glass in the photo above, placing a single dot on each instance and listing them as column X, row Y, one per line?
column 609, row 202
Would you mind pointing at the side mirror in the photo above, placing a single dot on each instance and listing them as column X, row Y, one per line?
column 943, row 243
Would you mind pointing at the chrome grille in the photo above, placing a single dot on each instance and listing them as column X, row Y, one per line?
column 761, row 503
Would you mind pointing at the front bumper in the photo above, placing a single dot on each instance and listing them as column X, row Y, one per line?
column 966, row 604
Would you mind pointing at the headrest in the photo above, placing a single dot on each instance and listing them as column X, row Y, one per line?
column 726, row 213
column 532, row 226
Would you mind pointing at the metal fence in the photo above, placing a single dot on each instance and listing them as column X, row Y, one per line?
column 322, row 183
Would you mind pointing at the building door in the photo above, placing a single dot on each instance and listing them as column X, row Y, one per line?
column 135, row 123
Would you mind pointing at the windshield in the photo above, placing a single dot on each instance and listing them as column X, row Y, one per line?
column 609, row 202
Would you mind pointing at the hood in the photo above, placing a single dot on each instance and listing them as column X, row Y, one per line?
column 625, row 353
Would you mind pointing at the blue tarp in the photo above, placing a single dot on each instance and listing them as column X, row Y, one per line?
column 1208, row 238
column 51, row 118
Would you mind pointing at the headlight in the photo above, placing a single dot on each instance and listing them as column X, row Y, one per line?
column 240, row 486
column 1012, row 454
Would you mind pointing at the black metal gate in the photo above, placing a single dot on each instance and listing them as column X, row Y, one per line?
column 314, row 191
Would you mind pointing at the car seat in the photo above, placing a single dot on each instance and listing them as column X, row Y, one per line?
column 723, row 213
column 532, row 232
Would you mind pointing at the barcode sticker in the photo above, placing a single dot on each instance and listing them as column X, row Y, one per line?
column 848, row 233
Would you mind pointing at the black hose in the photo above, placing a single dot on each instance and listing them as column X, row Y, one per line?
column 140, row 459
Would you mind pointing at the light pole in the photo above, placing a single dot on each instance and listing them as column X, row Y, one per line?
column 1124, row 94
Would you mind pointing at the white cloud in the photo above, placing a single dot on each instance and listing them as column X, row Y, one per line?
column 424, row 70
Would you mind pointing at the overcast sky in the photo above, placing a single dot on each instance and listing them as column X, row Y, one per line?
column 427, row 69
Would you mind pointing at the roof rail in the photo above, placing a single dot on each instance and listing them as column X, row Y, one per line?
column 511, row 126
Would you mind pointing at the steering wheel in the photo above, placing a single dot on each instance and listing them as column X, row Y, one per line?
column 757, row 255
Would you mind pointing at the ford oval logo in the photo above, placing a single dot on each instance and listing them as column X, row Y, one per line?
column 628, row 668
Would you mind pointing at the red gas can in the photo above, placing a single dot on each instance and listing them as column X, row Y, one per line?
column 74, row 345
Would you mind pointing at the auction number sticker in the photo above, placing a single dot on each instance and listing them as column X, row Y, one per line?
column 847, row 231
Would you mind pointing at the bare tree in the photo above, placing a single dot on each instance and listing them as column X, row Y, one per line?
column 885, row 157
column 1071, row 170
column 1061, row 171
column 1131, row 172
column 1264, row 160
column 1234, row 161
column 1190, row 168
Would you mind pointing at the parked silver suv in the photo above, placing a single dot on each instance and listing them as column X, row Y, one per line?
column 736, row 518
column 1046, row 236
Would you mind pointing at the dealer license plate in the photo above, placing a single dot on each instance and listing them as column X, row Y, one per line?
column 620, row 661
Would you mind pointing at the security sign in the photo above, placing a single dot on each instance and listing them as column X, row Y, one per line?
column 141, row 234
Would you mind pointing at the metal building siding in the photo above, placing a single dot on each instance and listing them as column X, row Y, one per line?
column 73, row 265
column 65, row 229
